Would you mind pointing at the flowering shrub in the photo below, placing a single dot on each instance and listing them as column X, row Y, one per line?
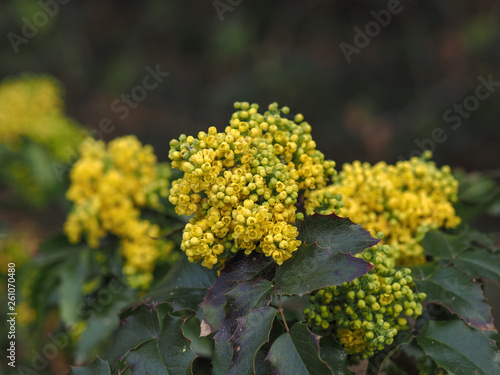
column 279, row 264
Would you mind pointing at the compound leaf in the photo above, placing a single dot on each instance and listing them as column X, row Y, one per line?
column 459, row 349
column 98, row 367
column 333, row 353
column 238, row 269
column 480, row 263
column 456, row 291
column 312, row 268
column 334, row 233
column 252, row 332
column 168, row 353
column 297, row 352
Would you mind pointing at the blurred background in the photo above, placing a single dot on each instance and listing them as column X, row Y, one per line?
column 394, row 91
column 377, row 80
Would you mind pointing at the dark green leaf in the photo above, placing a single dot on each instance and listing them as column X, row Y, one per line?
column 333, row 353
column 443, row 246
column 101, row 323
column 98, row 367
column 185, row 285
column 252, row 332
column 297, row 352
column 72, row 280
column 456, row 291
column 334, row 233
column 185, row 274
column 241, row 300
column 460, row 350
column 240, row 268
column 422, row 271
column 249, row 295
column 261, row 366
column 202, row 346
column 169, row 353
column 136, row 329
column 312, row 268
column 478, row 239
column 57, row 248
column 476, row 187
column 223, row 351
column 181, row 298
column 480, row 263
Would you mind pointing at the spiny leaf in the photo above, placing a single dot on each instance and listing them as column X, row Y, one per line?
column 297, row 352
column 240, row 268
column 460, row 350
column 443, row 246
column 181, row 298
column 185, row 274
column 223, row 350
column 422, row 271
column 245, row 297
column 456, row 291
column 252, row 332
column 98, row 367
column 169, row 353
column 333, row 353
column 249, row 295
column 312, row 268
column 479, row 239
column 480, row 263
column 334, row 233
column 143, row 325
column 185, row 285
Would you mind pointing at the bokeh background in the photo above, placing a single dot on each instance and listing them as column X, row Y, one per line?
column 394, row 91
column 380, row 103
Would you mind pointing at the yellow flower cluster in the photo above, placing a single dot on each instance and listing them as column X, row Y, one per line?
column 242, row 184
column 109, row 186
column 367, row 313
column 32, row 108
column 403, row 201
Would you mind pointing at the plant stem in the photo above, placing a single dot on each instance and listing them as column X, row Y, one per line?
column 170, row 233
column 280, row 309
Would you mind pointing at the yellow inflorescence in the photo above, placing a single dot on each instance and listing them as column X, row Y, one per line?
column 32, row 108
column 367, row 313
column 403, row 201
column 109, row 186
column 242, row 184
